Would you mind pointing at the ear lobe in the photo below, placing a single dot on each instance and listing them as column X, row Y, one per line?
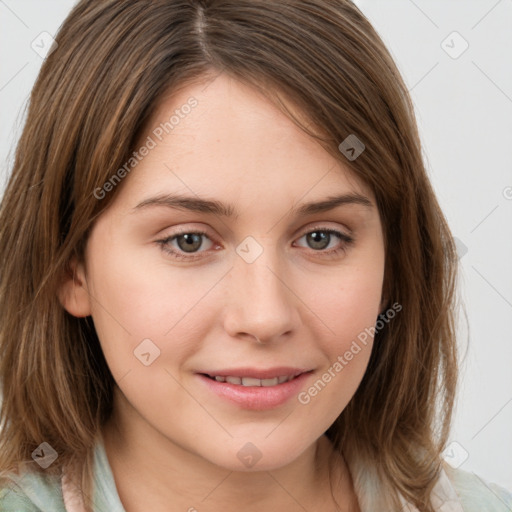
column 72, row 292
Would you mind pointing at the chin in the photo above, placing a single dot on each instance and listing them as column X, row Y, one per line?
column 249, row 454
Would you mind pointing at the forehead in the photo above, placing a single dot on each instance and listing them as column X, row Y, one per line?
column 234, row 141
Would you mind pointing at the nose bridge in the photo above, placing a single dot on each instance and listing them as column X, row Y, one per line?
column 260, row 303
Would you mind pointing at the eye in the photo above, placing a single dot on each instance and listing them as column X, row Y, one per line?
column 186, row 244
column 321, row 238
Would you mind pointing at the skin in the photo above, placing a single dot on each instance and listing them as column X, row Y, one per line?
column 172, row 444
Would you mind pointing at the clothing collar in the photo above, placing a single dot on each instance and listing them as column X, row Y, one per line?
column 367, row 487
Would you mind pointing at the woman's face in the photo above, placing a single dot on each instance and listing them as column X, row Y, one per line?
column 266, row 293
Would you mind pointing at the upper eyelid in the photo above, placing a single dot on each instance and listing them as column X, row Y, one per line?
column 300, row 233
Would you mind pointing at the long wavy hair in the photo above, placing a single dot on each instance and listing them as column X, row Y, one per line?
column 91, row 102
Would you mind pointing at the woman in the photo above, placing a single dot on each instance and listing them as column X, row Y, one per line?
column 227, row 282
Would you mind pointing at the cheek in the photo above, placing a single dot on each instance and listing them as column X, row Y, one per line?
column 346, row 302
column 135, row 299
column 346, row 307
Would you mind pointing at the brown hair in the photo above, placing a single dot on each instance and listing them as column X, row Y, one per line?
column 91, row 103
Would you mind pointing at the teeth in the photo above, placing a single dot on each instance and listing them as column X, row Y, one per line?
column 250, row 381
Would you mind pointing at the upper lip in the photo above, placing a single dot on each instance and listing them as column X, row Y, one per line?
column 257, row 373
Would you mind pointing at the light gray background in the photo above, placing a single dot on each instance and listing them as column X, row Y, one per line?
column 464, row 111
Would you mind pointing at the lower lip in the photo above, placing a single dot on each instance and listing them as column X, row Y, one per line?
column 257, row 397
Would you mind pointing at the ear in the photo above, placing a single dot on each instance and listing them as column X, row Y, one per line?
column 73, row 293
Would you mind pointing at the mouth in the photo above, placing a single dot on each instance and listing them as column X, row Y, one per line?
column 253, row 389
column 251, row 381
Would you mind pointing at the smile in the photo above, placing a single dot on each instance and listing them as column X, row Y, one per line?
column 251, row 381
column 253, row 393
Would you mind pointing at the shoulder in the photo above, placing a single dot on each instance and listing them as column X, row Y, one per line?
column 42, row 492
column 476, row 494
column 30, row 492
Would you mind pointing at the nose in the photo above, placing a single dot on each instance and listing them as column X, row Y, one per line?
column 261, row 303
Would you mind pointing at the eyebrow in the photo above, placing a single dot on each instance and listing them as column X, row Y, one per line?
column 197, row 204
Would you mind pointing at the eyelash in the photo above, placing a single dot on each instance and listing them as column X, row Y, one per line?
column 345, row 239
